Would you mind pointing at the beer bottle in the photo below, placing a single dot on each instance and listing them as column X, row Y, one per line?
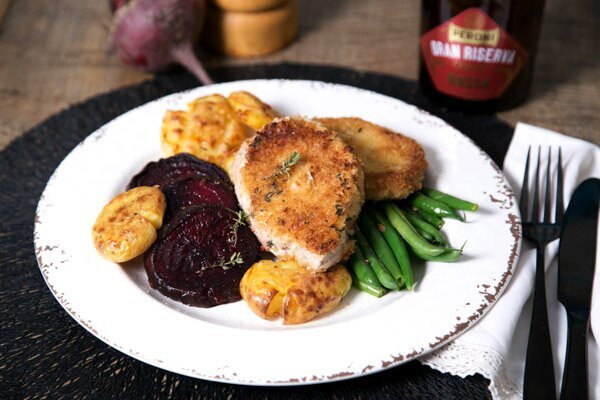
column 477, row 55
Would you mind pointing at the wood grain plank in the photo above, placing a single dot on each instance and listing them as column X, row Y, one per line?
column 55, row 53
column 4, row 4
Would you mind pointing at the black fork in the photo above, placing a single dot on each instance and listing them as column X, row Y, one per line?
column 539, row 368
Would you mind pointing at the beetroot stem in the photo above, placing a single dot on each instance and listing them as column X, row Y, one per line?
column 185, row 56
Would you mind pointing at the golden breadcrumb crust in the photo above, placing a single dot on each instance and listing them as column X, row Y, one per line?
column 394, row 165
column 324, row 189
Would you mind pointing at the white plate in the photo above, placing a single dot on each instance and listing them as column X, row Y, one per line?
column 229, row 343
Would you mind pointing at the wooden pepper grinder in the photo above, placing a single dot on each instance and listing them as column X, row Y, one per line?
column 246, row 28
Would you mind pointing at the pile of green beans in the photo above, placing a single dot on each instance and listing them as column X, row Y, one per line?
column 388, row 233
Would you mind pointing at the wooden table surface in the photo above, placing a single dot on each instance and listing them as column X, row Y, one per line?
column 54, row 53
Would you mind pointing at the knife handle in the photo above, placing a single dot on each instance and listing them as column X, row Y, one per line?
column 539, row 380
column 575, row 379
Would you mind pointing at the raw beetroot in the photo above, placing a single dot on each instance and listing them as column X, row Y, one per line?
column 198, row 191
column 116, row 4
column 201, row 256
column 154, row 34
column 181, row 166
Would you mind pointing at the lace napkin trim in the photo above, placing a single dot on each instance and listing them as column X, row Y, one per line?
column 464, row 360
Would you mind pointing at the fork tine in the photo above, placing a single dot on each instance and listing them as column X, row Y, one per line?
column 523, row 202
column 560, row 207
column 535, row 209
column 547, row 204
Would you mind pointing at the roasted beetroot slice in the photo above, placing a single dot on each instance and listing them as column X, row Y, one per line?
column 198, row 191
column 180, row 166
column 201, row 257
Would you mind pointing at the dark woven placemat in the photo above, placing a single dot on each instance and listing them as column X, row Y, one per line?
column 46, row 354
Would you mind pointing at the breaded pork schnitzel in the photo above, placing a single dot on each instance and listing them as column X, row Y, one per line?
column 302, row 188
column 394, row 164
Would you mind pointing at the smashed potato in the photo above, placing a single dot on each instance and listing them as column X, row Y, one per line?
column 252, row 110
column 210, row 129
column 173, row 136
column 126, row 226
column 285, row 289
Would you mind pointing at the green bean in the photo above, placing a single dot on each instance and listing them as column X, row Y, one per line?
column 423, row 226
column 408, row 232
column 454, row 202
column 380, row 271
column 425, row 235
column 415, row 213
column 365, row 287
column 396, row 243
column 433, row 219
column 448, row 255
column 363, row 271
column 422, row 202
column 363, row 276
column 380, row 246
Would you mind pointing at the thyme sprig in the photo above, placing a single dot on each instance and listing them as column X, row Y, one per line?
column 235, row 259
column 283, row 169
column 240, row 219
column 286, row 165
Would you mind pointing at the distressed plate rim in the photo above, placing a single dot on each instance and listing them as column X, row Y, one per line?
column 52, row 257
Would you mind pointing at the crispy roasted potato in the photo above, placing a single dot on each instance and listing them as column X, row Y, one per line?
column 285, row 289
column 210, row 129
column 174, row 138
column 252, row 110
column 126, row 226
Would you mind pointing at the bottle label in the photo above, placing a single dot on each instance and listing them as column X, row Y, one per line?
column 471, row 57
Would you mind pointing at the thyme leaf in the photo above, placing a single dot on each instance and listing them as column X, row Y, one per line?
column 283, row 169
column 235, row 259
column 286, row 165
column 240, row 219
column 275, row 190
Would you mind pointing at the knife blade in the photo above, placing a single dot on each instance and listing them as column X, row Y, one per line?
column 576, row 265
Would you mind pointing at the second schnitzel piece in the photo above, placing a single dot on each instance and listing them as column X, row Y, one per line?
column 394, row 164
column 302, row 188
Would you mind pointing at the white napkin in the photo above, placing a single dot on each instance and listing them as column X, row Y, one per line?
column 496, row 346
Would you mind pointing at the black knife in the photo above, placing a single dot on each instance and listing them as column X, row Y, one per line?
column 576, row 264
